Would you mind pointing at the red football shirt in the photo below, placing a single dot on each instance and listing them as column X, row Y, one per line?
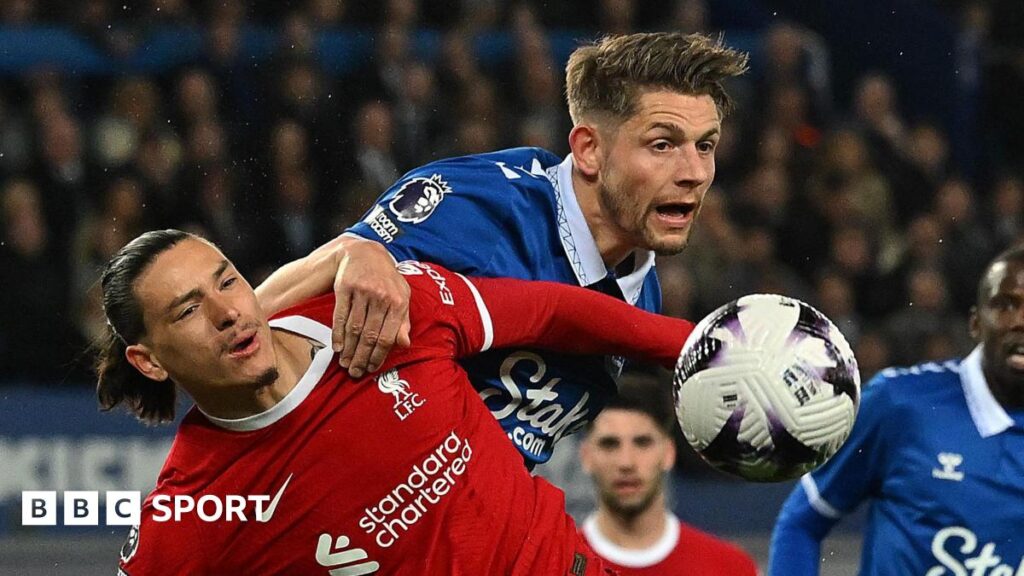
column 682, row 551
column 401, row 472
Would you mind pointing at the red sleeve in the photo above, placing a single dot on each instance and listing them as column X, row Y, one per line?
column 168, row 547
column 501, row 313
column 577, row 321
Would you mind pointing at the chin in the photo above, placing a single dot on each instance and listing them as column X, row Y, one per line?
column 667, row 246
column 267, row 377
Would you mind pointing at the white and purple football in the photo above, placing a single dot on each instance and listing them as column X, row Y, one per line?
column 766, row 388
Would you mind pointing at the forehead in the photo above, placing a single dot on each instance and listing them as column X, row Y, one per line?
column 1005, row 277
column 625, row 423
column 175, row 271
column 688, row 110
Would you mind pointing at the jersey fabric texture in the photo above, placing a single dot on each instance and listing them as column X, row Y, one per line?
column 513, row 214
column 400, row 472
column 682, row 551
column 941, row 463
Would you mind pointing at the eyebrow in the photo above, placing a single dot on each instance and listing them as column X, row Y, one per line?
column 678, row 132
column 195, row 292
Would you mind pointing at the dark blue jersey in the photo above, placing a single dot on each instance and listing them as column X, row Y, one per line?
column 513, row 214
column 941, row 464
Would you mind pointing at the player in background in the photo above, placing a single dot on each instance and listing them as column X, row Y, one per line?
column 401, row 472
column 938, row 453
column 628, row 451
column 647, row 111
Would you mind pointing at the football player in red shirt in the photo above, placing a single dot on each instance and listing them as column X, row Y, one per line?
column 286, row 465
column 628, row 450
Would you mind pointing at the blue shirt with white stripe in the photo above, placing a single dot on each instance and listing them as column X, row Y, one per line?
column 941, row 464
column 513, row 214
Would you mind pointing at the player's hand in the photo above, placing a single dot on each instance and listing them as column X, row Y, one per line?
column 371, row 313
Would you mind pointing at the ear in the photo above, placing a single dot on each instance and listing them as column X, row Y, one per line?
column 146, row 362
column 974, row 324
column 586, row 145
column 669, row 461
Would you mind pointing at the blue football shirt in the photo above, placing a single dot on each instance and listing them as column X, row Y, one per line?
column 513, row 214
column 941, row 463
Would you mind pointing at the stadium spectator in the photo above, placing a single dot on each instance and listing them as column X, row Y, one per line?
column 1006, row 211
column 35, row 293
column 275, row 411
column 628, row 451
column 936, row 452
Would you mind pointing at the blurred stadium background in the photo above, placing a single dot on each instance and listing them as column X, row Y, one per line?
column 872, row 167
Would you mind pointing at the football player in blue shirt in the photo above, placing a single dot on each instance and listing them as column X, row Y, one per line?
column 937, row 451
column 647, row 111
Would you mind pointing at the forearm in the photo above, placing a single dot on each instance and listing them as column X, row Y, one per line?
column 578, row 321
column 303, row 278
column 796, row 539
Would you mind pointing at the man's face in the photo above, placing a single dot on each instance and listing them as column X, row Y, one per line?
column 627, row 456
column 204, row 327
column 998, row 323
column 658, row 167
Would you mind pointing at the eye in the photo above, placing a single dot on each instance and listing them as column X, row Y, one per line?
column 228, row 282
column 1004, row 304
column 187, row 311
column 662, row 145
column 707, row 146
column 644, row 442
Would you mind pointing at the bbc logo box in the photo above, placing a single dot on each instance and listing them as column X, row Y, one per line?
column 80, row 508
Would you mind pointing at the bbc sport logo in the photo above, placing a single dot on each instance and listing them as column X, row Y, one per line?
column 123, row 507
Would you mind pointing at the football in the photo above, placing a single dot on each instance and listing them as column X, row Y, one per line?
column 766, row 388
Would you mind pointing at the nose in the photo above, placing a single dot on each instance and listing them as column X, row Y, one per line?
column 224, row 313
column 693, row 169
column 626, row 459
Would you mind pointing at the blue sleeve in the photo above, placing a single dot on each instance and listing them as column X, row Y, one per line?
column 453, row 212
column 796, row 540
column 823, row 496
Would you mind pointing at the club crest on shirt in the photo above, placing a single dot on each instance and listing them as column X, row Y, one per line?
column 130, row 545
column 417, row 199
column 406, row 401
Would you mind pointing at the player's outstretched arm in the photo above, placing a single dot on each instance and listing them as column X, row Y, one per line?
column 371, row 312
column 797, row 537
column 825, row 495
column 576, row 320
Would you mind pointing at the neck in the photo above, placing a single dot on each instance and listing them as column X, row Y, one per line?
column 613, row 244
column 293, row 358
column 636, row 532
column 1009, row 395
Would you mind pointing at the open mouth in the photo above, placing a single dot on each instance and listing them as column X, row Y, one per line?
column 1015, row 357
column 243, row 347
column 676, row 211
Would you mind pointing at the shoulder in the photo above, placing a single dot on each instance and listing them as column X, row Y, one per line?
column 695, row 538
column 900, row 383
column 319, row 310
column 512, row 165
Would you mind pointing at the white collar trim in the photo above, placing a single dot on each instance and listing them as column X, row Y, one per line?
column 630, row 558
column 989, row 416
column 579, row 243
column 305, row 327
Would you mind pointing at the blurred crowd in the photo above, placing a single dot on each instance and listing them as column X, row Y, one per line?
column 854, row 204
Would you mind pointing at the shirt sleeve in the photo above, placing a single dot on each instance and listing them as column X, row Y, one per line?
column 835, row 489
column 500, row 313
column 167, row 547
column 450, row 212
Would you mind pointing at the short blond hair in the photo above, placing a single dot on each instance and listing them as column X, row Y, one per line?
column 608, row 76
